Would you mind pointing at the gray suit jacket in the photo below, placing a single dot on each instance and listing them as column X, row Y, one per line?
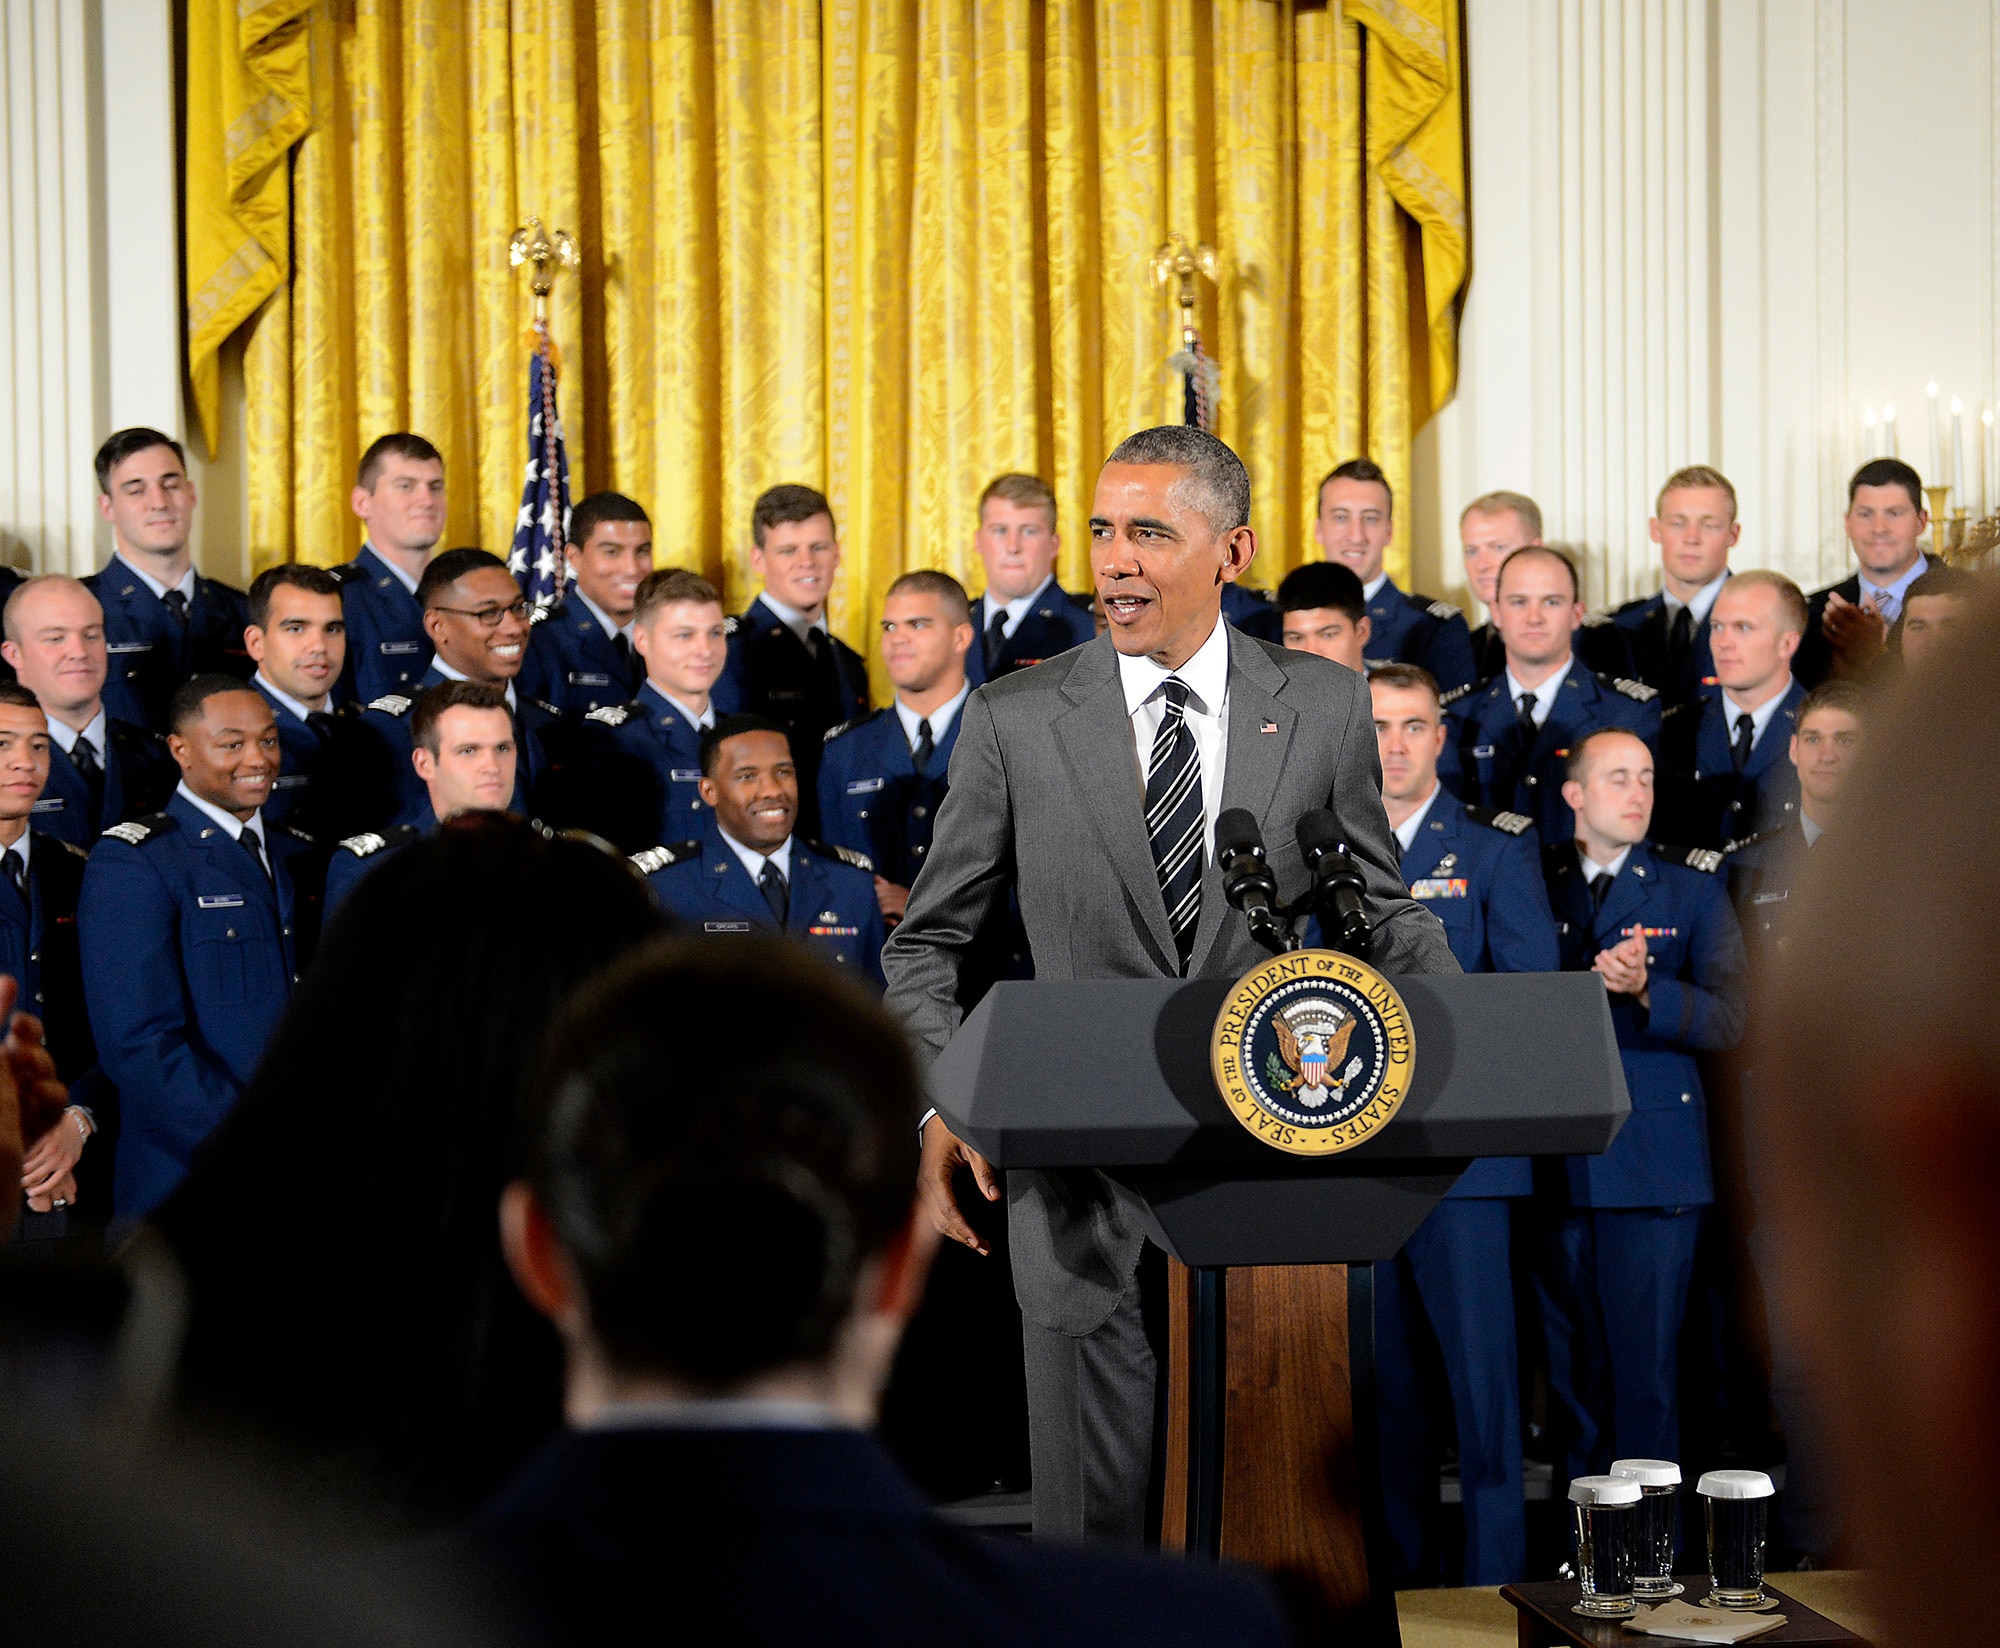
column 1045, row 796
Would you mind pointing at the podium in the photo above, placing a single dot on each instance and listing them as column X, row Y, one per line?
column 1271, row 1446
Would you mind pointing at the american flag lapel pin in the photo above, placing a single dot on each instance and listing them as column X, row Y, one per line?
column 1268, row 726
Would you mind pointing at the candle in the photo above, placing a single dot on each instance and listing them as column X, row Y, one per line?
column 1937, row 435
column 1868, row 434
column 1959, row 476
column 1889, row 432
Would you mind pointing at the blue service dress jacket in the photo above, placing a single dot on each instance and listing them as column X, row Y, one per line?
column 139, row 775
column 637, row 778
column 831, row 904
column 190, row 952
column 1696, row 992
column 1414, row 629
column 387, row 648
column 872, row 799
column 1490, row 760
column 1649, row 626
column 152, row 652
column 356, row 855
column 574, row 665
column 1254, row 613
column 1480, row 874
column 398, row 796
column 1703, row 801
column 1053, row 625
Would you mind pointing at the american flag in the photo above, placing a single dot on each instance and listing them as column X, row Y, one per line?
column 542, row 526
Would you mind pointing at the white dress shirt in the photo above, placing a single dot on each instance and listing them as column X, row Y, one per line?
column 1760, row 718
column 1406, row 832
column 25, row 847
column 97, row 730
column 1206, row 675
column 612, row 629
column 940, row 718
column 794, row 620
column 1592, row 869
column 700, row 723
column 1813, row 831
column 1545, row 694
column 1373, row 587
column 1704, row 598
column 451, row 674
column 297, row 706
column 231, row 824
column 754, row 861
column 185, row 586
column 1016, row 610
column 721, row 1413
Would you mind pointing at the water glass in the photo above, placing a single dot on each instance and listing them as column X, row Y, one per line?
column 1607, row 1526
column 1659, row 1502
column 1736, row 1506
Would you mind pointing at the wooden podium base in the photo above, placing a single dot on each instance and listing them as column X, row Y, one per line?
column 1271, row 1453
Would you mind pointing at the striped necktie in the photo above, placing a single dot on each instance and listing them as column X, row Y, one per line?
column 1174, row 818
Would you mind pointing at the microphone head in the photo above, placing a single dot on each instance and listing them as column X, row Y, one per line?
column 1236, row 832
column 1319, row 831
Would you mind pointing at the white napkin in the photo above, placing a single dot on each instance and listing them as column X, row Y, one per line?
column 1689, row 1623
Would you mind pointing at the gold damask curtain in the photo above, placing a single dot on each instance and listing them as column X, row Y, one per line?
column 890, row 249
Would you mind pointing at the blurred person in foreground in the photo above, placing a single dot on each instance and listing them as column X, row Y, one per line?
column 348, row 1313
column 716, row 1479
column 1877, row 1167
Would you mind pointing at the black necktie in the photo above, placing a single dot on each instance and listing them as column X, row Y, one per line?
column 623, row 643
column 1746, row 737
column 17, row 872
column 321, row 722
column 1600, row 889
column 996, row 637
column 83, row 756
column 776, row 894
column 815, row 643
column 924, row 749
column 1524, row 712
column 176, row 603
column 1680, row 636
column 1174, row 818
column 255, row 843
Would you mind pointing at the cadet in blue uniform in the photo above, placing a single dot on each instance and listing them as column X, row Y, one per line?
column 40, row 879
column 638, row 765
column 1024, row 616
column 1694, row 523
column 298, row 636
column 477, row 620
column 399, row 495
column 101, row 771
column 1617, row 1255
column 463, row 754
column 1354, row 525
column 1852, row 625
column 162, row 621
column 1322, row 611
column 784, row 663
column 1480, row 874
column 1507, row 739
column 749, row 871
column 1491, row 528
column 580, row 655
column 882, row 780
column 190, row 923
column 1250, row 610
column 1725, row 768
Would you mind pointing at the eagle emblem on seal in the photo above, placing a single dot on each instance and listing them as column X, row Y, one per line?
column 1312, row 1039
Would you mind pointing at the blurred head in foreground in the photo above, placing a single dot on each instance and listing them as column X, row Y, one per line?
column 348, row 1307
column 1883, row 1055
column 726, row 1211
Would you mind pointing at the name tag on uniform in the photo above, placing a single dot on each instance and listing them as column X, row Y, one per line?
column 865, row 786
column 725, row 926
column 685, row 775
column 1480, row 751
column 219, row 901
column 581, row 678
column 400, row 649
column 789, row 697
column 130, row 646
column 291, row 781
column 1760, row 898
column 1446, row 887
column 48, row 804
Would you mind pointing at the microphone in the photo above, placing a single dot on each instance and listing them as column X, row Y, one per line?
column 1247, row 881
column 1337, row 887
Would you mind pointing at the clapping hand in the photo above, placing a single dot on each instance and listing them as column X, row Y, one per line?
column 1623, row 967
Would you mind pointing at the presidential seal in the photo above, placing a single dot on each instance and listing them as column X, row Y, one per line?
column 1313, row 1052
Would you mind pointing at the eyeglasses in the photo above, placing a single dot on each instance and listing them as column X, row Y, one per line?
column 489, row 617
